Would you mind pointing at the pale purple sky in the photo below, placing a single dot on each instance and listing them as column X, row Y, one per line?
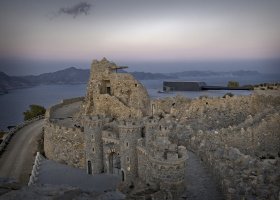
column 128, row 31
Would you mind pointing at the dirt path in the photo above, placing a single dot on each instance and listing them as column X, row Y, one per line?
column 199, row 182
column 17, row 161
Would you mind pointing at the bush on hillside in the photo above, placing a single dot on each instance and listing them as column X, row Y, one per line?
column 233, row 84
column 34, row 111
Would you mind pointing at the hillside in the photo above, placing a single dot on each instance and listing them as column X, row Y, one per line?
column 74, row 75
column 10, row 82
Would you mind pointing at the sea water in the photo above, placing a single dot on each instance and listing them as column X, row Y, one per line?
column 13, row 104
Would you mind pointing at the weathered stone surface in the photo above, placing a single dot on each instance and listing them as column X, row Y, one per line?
column 114, row 94
column 118, row 130
column 113, row 134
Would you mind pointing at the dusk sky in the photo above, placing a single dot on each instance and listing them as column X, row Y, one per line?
column 62, row 33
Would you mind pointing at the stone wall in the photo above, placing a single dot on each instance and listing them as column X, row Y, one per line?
column 114, row 94
column 162, row 173
column 241, row 176
column 243, row 151
column 64, row 102
column 214, row 113
column 64, row 145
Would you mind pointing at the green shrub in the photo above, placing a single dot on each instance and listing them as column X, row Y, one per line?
column 250, row 87
column 233, row 84
column 34, row 111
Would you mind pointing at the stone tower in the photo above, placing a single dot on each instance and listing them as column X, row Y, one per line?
column 93, row 144
column 151, row 125
column 130, row 132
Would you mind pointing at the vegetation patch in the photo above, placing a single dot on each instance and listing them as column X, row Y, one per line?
column 34, row 111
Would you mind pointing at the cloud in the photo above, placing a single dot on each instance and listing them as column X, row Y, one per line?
column 74, row 11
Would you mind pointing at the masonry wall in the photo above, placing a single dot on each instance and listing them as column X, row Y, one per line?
column 64, row 102
column 109, row 92
column 64, row 145
column 242, row 154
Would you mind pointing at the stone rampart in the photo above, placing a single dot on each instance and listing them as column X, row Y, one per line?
column 65, row 145
column 241, row 176
column 232, row 155
column 168, row 174
column 64, row 102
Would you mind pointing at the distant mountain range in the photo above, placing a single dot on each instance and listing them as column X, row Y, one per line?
column 73, row 75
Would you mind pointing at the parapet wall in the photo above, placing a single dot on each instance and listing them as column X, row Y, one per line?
column 243, row 156
column 165, row 175
column 64, row 102
column 64, row 144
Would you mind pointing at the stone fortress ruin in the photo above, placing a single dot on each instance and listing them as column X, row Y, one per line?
column 115, row 132
column 118, row 129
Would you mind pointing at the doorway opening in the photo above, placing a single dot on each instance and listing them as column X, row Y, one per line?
column 89, row 167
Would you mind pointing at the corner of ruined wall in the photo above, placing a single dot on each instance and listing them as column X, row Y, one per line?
column 64, row 144
column 64, row 102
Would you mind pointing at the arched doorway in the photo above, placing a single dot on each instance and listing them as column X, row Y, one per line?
column 114, row 163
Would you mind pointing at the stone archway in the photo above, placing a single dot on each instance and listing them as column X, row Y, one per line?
column 114, row 163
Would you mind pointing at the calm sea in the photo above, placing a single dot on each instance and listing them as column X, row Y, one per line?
column 12, row 105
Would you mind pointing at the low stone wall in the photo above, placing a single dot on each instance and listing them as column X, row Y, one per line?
column 35, row 170
column 64, row 102
column 241, row 175
column 8, row 136
column 238, row 139
column 260, row 139
column 162, row 174
column 214, row 112
column 64, row 145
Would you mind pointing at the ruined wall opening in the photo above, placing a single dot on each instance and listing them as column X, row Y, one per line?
column 108, row 90
column 105, row 87
column 122, row 176
column 143, row 131
column 114, row 163
column 89, row 167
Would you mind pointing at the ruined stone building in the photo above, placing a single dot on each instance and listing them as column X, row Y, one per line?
column 115, row 132
column 118, row 129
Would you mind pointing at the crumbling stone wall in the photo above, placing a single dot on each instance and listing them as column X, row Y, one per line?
column 109, row 92
column 243, row 154
column 215, row 112
column 61, row 143
column 64, row 102
column 64, row 145
column 161, row 164
column 240, row 175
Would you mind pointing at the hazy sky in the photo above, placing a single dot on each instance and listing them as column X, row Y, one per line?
column 135, row 31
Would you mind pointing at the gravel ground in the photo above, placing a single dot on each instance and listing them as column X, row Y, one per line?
column 199, row 182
